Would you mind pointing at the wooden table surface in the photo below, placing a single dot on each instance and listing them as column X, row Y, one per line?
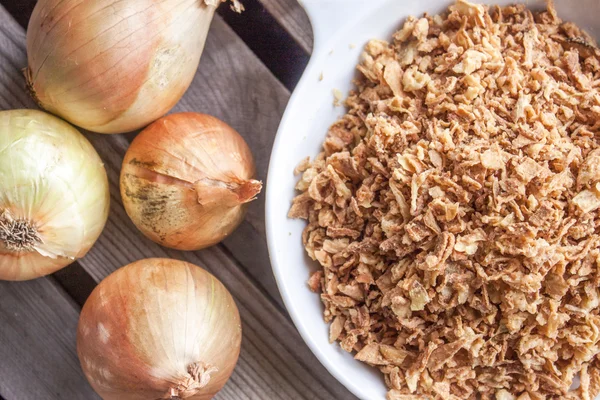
column 250, row 64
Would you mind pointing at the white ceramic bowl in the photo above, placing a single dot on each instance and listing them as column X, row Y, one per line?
column 341, row 29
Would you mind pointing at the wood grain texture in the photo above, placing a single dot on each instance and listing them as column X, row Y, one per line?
column 37, row 343
column 234, row 86
column 293, row 18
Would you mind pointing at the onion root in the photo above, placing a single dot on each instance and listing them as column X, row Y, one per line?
column 17, row 234
column 200, row 378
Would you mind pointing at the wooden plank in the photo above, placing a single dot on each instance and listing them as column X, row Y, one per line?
column 293, row 18
column 297, row 374
column 37, row 343
column 37, row 319
column 274, row 362
column 252, row 101
column 264, row 321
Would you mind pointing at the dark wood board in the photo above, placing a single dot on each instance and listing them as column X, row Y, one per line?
column 275, row 363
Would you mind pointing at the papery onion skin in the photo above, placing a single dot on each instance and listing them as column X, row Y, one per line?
column 174, row 181
column 113, row 66
column 147, row 325
column 53, row 182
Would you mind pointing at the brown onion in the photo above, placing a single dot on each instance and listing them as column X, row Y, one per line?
column 186, row 180
column 113, row 66
column 159, row 329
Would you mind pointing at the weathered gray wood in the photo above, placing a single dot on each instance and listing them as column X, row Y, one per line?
column 37, row 343
column 293, row 18
column 264, row 321
column 247, row 96
column 234, row 86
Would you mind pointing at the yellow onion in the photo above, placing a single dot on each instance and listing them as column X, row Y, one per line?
column 186, row 180
column 54, row 196
column 159, row 329
column 113, row 66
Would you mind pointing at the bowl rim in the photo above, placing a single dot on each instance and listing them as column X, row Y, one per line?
column 272, row 196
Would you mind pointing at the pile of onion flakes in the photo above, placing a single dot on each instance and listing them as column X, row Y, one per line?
column 454, row 208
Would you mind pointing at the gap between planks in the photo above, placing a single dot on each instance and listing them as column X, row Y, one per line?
column 293, row 18
column 276, row 45
column 75, row 281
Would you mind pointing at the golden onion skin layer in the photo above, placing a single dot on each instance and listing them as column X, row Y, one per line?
column 177, row 333
column 113, row 66
column 186, row 180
